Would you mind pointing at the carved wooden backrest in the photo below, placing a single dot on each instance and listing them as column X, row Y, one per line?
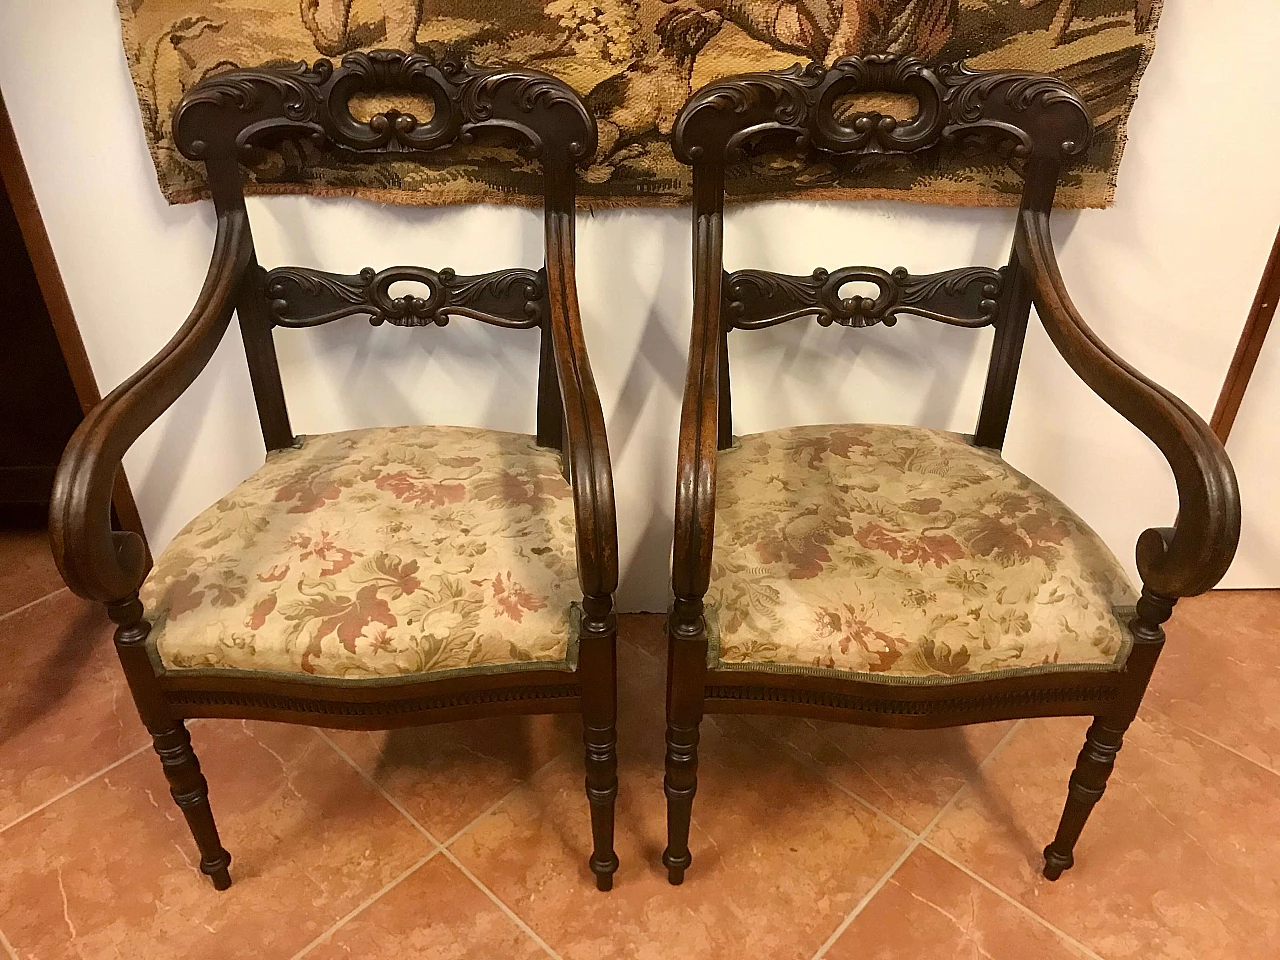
column 223, row 118
column 1044, row 122
column 226, row 119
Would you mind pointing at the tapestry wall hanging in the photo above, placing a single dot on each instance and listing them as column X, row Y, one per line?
column 635, row 62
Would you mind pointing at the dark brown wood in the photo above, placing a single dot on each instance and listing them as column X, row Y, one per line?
column 253, row 312
column 1192, row 556
column 302, row 297
column 1048, row 126
column 550, row 406
column 40, row 406
column 1106, row 734
column 964, row 298
column 221, row 121
column 36, row 239
column 1014, row 312
column 1249, row 348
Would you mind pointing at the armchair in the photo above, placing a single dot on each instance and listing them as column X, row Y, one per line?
column 893, row 575
column 376, row 578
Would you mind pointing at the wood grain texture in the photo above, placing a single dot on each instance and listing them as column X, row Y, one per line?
column 1249, row 348
column 1193, row 555
column 220, row 122
column 1046, row 126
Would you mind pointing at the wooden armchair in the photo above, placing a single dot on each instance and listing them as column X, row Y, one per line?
column 898, row 576
column 375, row 578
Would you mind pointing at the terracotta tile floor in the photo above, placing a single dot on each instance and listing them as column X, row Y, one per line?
column 470, row 840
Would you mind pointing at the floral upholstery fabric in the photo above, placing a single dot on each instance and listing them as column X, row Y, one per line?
column 902, row 552
column 377, row 553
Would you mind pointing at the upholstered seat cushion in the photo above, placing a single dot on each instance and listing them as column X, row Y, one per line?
column 377, row 553
column 903, row 553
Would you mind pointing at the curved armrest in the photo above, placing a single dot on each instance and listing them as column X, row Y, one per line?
column 1191, row 557
column 699, row 415
column 589, row 470
column 96, row 562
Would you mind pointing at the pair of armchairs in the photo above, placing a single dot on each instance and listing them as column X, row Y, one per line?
column 874, row 574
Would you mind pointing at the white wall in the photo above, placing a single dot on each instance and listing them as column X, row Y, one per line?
column 1166, row 277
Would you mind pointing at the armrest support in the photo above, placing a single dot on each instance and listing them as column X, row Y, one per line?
column 96, row 562
column 700, row 411
column 589, row 470
column 1192, row 556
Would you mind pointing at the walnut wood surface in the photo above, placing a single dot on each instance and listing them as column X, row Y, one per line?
column 1193, row 556
column 1249, row 347
column 223, row 121
column 1047, row 125
column 96, row 562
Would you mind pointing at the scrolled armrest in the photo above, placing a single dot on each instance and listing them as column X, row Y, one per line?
column 1192, row 556
column 699, row 419
column 590, row 472
column 97, row 562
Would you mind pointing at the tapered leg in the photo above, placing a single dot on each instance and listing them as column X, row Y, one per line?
column 686, row 676
column 1088, row 781
column 598, row 665
column 680, row 784
column 1106, row 734
column 170, row 738
column 191, row 794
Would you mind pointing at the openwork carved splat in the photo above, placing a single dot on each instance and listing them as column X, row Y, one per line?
column 243, row 109
column 726, row 120
column 967, row 297
column 301, row 297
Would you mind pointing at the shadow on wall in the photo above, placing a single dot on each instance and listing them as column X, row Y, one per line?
column 636, row 297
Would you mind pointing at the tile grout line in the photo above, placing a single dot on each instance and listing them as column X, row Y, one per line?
column 74, row 787
column 32, row 603
column 911, row 848
column 399, row 807
column 858, row 907
column 8, row 947
column 1204, row 736
column 1014, row 901
column 361, row 907
column 813, row 764
column 503, row 799
column 441, row 848
column 511, row 914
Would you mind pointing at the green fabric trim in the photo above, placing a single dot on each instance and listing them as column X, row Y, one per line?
column 1123, row 615
column 568, row 664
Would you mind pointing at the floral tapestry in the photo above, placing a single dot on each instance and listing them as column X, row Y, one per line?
column 635, row 62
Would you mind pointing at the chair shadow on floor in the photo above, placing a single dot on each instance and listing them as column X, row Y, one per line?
column 54, row 670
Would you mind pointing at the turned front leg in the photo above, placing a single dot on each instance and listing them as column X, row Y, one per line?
column 686, row 678
column 170, row 738
column 1106, row 735
column 191, row 793
column 1088, row 782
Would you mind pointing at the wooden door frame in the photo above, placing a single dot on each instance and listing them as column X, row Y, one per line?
column 13, row 172
column 1249, row 348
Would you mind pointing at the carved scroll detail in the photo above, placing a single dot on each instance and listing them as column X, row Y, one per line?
column 967, row 297
column 301, row 297
column 1042, row 115
column 243, row 109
